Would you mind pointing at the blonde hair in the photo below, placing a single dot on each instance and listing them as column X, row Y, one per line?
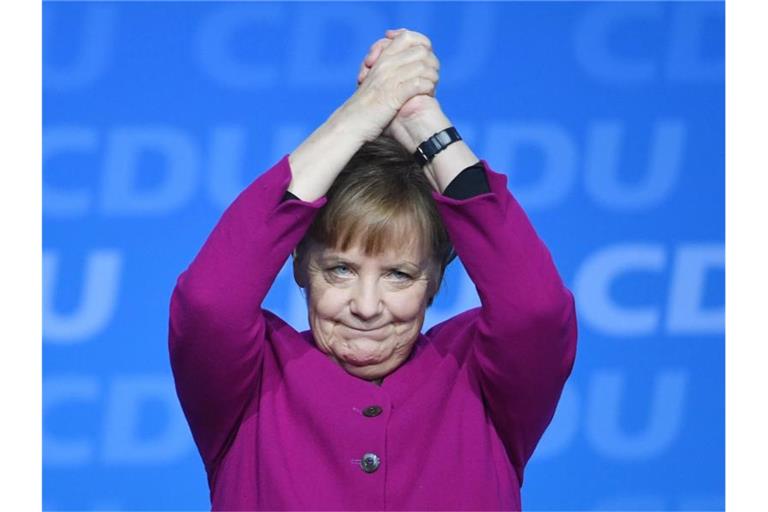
column 379, row 197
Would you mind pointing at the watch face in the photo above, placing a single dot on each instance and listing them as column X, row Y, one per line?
column 443, row 138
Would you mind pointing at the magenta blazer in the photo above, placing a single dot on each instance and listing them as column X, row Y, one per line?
column 279, row 425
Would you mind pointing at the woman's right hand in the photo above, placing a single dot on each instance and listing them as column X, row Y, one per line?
column 405, row 68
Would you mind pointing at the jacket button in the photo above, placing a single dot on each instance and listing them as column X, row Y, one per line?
column 370, row 462
column 372, row 411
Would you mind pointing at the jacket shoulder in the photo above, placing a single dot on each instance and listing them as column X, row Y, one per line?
column 455, row 334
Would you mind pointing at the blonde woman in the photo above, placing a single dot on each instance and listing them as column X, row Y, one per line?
column 363, row 410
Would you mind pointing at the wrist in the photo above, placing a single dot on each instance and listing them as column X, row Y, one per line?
column 422, row 126
column 350, row 119
column 317, row 161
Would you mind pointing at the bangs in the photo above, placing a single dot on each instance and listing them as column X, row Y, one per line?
column 381, row 230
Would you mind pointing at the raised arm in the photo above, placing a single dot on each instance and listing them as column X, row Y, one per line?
column 524, row 334
column 217, row 327
column 525, row 330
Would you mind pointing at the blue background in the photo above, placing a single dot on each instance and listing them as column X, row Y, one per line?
column 608, row 119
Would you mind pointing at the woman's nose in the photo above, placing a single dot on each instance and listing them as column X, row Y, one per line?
column 366, row 300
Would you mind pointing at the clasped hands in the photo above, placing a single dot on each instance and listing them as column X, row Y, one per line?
column 396, row 89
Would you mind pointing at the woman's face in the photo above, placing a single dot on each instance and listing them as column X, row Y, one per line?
column 366, row 312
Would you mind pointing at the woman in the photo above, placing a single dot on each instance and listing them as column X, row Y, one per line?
column 363, row 411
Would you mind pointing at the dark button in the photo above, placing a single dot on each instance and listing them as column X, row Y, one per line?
column 372, row 411
column 370, row 462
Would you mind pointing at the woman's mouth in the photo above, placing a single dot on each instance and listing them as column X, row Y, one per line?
column 366, row 330
column 377, row 334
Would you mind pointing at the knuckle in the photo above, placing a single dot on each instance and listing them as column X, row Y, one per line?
column 424, row 39
column 413, row 37
column 407, row 84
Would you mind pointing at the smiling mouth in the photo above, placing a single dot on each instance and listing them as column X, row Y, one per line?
column 367, row 330
column 364, row 330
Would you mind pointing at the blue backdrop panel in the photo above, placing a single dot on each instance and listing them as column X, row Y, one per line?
column 607, row 117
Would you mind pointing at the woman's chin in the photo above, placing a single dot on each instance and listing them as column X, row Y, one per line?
column 366, row 358
column 363, row 359
column 366, row 366
column 365, row 352
column 367, row 372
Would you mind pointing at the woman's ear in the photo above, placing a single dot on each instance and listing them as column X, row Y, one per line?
column 435, row 284
column 299, row 272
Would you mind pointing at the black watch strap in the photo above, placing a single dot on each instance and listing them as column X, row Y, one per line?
column 435, row 144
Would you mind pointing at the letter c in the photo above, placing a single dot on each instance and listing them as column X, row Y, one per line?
column 593, row 286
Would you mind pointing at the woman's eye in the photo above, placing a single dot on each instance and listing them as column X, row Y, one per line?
column 345, row 271
column 341, row 270
column 402, row 276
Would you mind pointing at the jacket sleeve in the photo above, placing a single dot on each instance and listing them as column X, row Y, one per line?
column 524, row 333
column 216, row 326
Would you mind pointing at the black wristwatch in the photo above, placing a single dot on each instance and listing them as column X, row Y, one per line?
column 435, row 144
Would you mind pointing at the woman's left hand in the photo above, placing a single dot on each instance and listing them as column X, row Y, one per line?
column 404, row 126
column 418, row 119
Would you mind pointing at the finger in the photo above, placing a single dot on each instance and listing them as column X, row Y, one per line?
column 405, row 39
column 416, row 37
column 370, row 59
column 416, row 78
column 362, row 73
column 409, row 38
column 432, row 61
column 415, row 53
column 414, row 87
column 375, row 51
column 416, row 68
column 411, row 61
column 432, row 75
column 391, row 33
